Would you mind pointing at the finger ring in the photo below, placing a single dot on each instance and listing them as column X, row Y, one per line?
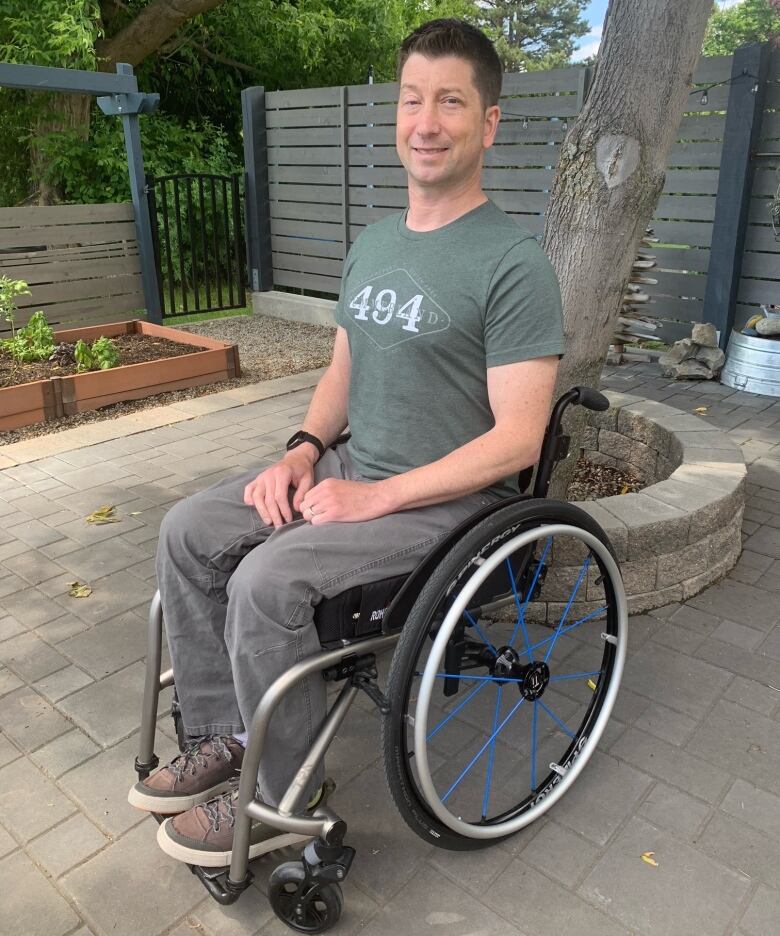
column 311, row 511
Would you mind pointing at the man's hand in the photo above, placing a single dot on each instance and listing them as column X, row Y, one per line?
column 337, row 501
column 270, row 491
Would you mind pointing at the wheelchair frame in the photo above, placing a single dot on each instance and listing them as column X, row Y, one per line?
column 326, row 859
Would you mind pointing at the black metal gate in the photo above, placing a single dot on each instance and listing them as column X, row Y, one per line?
column 198, row 242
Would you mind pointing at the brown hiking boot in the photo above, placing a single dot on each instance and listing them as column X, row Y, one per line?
column 197, row 775
column 204, row 834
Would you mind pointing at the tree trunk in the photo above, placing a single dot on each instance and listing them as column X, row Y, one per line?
column 610, row 174
column 62, row 112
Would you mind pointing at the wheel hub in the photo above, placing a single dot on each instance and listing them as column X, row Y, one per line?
column 532, row 679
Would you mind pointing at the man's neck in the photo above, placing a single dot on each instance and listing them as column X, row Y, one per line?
column 431, row 210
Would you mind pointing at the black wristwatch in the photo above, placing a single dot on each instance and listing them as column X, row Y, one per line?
column 302, row 436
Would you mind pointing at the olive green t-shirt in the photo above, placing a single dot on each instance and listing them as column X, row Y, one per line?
column 427, row 313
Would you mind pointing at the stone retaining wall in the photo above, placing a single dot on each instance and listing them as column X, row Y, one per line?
column 683, row 531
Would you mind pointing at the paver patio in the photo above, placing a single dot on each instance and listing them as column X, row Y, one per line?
column 689, row 767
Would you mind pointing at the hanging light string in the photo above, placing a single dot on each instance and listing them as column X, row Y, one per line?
column 743, row 74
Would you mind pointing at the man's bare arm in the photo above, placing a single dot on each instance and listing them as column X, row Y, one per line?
column 326, row 419
column 520, row 396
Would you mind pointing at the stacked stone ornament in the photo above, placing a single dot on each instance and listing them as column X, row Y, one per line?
column 694, row 358
column 632, row 325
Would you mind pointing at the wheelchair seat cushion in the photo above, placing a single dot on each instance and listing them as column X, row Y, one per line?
column 355, row 613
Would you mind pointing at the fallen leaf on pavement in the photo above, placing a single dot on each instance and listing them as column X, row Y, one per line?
column 649, row 859
column 591, row 685
column 79, row 590
column 701, row 409
column 103, row 514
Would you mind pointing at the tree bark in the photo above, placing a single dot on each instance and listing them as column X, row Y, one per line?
column 153, row 26
column 610, row 174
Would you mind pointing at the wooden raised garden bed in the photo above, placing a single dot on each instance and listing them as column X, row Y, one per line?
column 40, row 400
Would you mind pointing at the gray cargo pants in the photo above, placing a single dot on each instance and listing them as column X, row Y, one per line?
column 238, row 602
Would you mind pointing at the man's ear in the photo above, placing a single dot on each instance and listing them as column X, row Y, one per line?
column 492, row 118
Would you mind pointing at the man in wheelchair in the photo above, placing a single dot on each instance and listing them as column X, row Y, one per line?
column 449, row 333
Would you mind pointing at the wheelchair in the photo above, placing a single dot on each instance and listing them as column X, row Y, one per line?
column 509, row 644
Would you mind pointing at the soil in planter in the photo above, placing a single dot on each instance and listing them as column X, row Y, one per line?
column 133, row 349
column 591, row 481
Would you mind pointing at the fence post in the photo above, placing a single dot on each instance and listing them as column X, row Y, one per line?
column 345, row 169
column 735, row 182
column 143, row 226
column 258, row 211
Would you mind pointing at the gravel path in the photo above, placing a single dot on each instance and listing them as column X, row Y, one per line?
column 267, row 348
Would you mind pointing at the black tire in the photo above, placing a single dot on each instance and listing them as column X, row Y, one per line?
column 321, row 903
column 452, row 576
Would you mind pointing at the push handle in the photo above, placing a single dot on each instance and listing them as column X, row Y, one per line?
column 591, row 399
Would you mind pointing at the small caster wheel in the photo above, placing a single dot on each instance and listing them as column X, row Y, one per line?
column 304, row 907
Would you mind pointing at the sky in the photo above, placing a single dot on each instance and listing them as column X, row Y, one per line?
column 594, row 14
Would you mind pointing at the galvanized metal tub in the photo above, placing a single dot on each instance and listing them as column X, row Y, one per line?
column 752, row 364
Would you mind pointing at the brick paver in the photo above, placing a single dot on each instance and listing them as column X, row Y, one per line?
column 689, row 767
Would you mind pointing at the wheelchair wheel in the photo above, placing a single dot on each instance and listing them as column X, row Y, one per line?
column 505, row 674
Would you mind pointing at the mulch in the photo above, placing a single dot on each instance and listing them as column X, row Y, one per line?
column 591, row 481
column 133, row 349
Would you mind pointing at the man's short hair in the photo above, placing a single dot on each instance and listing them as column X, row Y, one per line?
column 457, row 37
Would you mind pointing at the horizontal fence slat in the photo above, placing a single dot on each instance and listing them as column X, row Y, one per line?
column 60, row 235
column 378, row 93
column 683, row 310
column 318, row 265
column 313, row 230
column 105, row 288
column 72, row 270
column 770, row 127
column 685, row 208
column 304, row 156
column 761, row 237
column 306, row 193
column 702, row 127
column 761, row 264
column 759, row 291
column 697, row 155
column 387, row 197
column 306, row 117
column 89, row 311
column 765, row 181
column 314, row 175
column 541, row 82
column 695, row 259
column 307, row 211
column 301, row 97
column 678, row 285
column 306, row 247
column 692, row 233
column 15, row 258
column 527, row 202
column 694, row 181
column 326, row 284
column 35, row 216
column 758, row 211
column 712, row 68
column 303, row 136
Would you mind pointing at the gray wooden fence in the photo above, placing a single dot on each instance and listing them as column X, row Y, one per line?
column 81, row 262
column 332, row 169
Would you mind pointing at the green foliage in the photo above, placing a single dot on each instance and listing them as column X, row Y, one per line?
column 33, row 342
column 102, row 354
column 95, row 170
column 58, row 33
column 9, row 290
column 746, row 22
column 532, row 35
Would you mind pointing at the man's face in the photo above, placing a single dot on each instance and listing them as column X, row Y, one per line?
column 442, row 128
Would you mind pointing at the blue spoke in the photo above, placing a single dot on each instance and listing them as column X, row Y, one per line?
column 493, row 679
column 569, row 627
column 569, row 603
column 491, row 756
column 482, row 750
column 478, row 629
column 478, row 688
column 533, row 748
column 575, row 675
column 557, row 720
column 521, row 610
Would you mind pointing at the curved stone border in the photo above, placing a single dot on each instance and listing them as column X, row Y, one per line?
column 683, row 532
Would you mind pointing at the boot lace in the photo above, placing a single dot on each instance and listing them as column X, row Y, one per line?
column 193, row 756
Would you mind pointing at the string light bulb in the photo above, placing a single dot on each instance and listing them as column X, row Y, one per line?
column 525, row 123
column 704, row 97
